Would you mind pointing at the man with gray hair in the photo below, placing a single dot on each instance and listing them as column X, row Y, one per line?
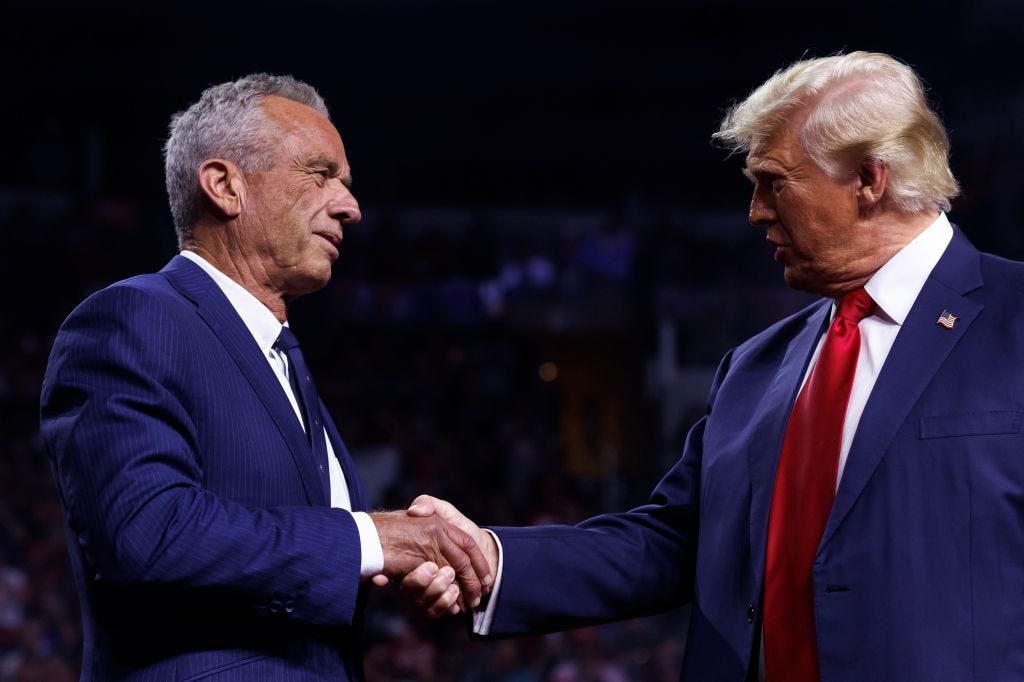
column 850, row 506
column 216, row 523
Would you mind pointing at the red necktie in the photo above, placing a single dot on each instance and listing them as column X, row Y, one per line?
column 805, row 484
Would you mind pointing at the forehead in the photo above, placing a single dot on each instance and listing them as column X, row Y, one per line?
column 782, row 147
column 305, row 130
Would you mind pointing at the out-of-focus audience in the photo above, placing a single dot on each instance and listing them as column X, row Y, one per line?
column 494, row 359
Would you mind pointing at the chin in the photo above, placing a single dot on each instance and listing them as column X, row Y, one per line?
column 322, row 281
column 795, row 280
column 311, row 281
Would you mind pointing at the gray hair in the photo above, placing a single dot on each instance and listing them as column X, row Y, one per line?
column 228, row 123
column 864, row 105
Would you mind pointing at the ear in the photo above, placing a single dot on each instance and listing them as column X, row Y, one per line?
column 872, row 177
column 223, row 185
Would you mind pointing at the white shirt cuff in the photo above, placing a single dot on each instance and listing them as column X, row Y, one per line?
column 372, row 556
column 482, row 619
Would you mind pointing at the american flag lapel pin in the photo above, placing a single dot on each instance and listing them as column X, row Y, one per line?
column 946, row 319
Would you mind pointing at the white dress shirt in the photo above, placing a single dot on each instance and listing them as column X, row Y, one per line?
column 265, row 329
column 893, row 288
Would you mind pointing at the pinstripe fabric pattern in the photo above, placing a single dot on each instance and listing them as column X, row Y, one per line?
column 198, row 530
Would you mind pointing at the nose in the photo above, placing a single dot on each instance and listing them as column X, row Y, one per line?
column 344, row 208
column 762, row 209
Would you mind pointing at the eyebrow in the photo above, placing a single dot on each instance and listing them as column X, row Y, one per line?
column 323, row 162
column 766, row 168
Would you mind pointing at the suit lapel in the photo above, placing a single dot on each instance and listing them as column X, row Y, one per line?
column 211, row 304
column 765, row 442
column 916, row 356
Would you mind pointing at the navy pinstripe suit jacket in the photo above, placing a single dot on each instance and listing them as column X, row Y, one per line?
column 200, row 535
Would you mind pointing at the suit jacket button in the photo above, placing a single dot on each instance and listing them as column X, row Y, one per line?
column 289, row 606
column 750, row 613
column 275, row 607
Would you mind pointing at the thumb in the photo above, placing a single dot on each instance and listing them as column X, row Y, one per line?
column 424, row 505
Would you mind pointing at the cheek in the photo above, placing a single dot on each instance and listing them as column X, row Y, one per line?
column 793, row 217
column 807, row 230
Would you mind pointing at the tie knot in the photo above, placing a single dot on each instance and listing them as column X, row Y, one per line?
column 855, row 306
column 286, row 341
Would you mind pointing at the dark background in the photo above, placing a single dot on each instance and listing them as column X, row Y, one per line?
column 540, row 195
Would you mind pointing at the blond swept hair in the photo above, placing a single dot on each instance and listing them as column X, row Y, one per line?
column 863, row 106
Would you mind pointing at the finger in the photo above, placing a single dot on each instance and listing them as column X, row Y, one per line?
column 432, row 588
column 420, row 582
column 443, row 508
column 445, row 603
column 380, row 580
column 440, row 594
column 477, row 558
column 424, row 505
column 458, row 550
column 450, row 513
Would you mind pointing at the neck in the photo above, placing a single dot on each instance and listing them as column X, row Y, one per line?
column 233, row 263
column 893, row 231
column 886, row 234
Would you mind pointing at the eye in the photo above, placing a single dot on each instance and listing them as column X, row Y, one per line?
column 763, row 179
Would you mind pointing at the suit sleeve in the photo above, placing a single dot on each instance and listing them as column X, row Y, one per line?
column 610, row 567
column 124, row 450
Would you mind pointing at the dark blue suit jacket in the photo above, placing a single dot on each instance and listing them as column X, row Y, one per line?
column 920, row 573
column 200, row 533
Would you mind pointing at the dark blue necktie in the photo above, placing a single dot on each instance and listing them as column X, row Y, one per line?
column 309, row 404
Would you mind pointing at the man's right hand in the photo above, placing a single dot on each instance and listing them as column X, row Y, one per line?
column 423, row 582
column 413, row 542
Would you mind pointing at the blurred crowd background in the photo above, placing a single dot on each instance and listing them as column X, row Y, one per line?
column 552, row 260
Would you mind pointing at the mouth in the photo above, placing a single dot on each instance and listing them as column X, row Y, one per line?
column 334, row 239
column 779, row 248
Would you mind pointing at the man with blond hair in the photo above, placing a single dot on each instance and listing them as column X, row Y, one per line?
column 850, row 506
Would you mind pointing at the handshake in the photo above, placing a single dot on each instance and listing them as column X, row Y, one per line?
column 436, row 556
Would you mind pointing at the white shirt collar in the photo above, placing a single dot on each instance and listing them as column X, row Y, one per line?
column 257, row 317
column 895, row 286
